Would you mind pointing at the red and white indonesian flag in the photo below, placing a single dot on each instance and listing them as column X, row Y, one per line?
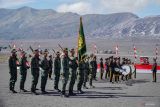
column 145, row 68
column 140, row 68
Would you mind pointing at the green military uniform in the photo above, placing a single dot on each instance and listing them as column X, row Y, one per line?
column 111, row 68
column 91, row 73
column 23, row 72
column 101, row 68
column 86, row 73
column 116, row 74
column 65, row 73
column 13, row 71
column 73, row 72
column 34, row 72
column 44, row 73
column 57, row 68
column 95, row 68
column 50, row 67
column 107, row 75
column 80, row 76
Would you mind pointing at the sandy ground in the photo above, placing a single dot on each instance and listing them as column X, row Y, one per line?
column 139, row 92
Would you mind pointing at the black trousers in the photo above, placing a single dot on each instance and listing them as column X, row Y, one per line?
column 50, row 73
column 154, row 74
column 13, row 79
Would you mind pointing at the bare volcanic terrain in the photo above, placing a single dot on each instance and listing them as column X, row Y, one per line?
column 144, row 46
column 30, row 23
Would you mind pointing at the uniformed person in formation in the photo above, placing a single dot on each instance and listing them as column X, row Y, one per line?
column 117, row 65
column 50, row 67
column 73, row 71
column 120, row 66
column 107, row 74
column 57, row 68
column 95, row 68
column 92, row 69
column 111, row 68
column 35, row 71
column 86, row 72
column 114, row 79
column 44, row 72
column 24, row 65
column 154, row 70
column 101, row 68
column 65, row 72
column 80, row 77
column 13, row 63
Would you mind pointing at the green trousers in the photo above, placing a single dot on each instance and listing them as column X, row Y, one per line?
column 72, row 79
column 65, row 77
column 56, row 79
column 35, row 77
column 91, row 76
column 80, row 79
column 85, row 77
column 23, row 74
column 44, row 77
column 13, row 79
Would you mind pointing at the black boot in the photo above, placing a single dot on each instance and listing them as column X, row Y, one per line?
column 43, row 91
column 71, row 93
column 10, row 87
column 63, row 94
column 58, row 90
column 23, row 90
column 13, row 91
column 80, row 92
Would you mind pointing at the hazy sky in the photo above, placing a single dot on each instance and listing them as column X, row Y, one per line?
column 140, row 7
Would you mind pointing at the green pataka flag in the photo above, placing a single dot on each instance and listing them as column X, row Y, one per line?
column 81, row 41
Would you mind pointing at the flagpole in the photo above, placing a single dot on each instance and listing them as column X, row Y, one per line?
column 135, row 53
column 156, row 51
column 78, row 39
column 116, row 50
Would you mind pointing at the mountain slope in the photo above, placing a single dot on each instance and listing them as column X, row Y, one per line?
column 30, row 23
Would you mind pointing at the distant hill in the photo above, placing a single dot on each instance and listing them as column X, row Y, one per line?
column 30, row 23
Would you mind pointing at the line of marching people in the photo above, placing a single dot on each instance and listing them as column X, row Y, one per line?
column 66, row 67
